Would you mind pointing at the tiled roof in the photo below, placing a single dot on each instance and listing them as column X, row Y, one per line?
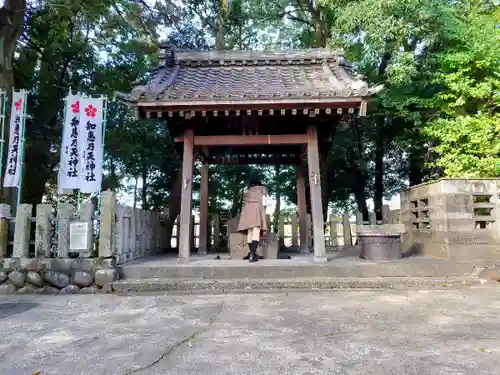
column 243, row 76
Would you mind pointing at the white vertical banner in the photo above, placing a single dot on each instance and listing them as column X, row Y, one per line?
column 69, row 167
column 90, row 141
column 13, row 167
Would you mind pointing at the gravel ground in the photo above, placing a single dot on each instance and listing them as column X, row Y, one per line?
column 364, row 332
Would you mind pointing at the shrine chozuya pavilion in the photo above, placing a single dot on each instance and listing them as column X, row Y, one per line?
column 252, row 108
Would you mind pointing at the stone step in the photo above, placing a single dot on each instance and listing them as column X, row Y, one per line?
column 269, row 270
column 299, row 284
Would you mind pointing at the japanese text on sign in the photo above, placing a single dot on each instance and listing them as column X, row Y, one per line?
column 73, row 147
column 90, row 128
column 14, row 151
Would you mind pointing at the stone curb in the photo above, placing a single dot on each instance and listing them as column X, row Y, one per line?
column 222, row 286
column 340, row 269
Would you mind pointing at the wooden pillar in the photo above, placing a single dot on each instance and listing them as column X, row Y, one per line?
column 315, row 188
column 295, row 241
column 184, row 239
column 301, row 201
column 203, row 239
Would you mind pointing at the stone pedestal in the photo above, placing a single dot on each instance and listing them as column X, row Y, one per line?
column 232, row 224
column 238, row 246
column 380, row 242
column 269, row 246
column 379, row 246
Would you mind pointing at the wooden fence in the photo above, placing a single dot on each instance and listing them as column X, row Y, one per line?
column 116, row 232
column 288, row 229
column 124, row 233
column 138, row 233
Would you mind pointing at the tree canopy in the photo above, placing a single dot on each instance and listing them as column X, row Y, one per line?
column 438, row 114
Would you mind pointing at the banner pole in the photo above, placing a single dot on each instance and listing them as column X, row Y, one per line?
column 3, row 93
column 105, row 110
column 58, row 204
column 23, row 135
column 78, row 203
column 78, row 194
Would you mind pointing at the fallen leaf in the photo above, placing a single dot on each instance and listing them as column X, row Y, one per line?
column 485, row 350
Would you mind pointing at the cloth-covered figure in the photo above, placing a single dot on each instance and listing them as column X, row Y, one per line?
column 253, row 220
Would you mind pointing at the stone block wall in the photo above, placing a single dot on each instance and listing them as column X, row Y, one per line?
column 57, row 276
column 456, row 219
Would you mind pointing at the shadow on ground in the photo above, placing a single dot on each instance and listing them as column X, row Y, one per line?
column 9, row 309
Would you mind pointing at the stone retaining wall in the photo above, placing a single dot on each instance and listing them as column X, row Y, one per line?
column 454, row 219
column 57, row 276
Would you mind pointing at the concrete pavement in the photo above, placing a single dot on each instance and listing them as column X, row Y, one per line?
column 364, row 332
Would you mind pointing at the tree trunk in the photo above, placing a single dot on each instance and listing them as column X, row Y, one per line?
column 35, row 176
column 415, row 165
column 359, row 179
column 174, row 206
column 39, row 160
column 277, row 208
column 237, row 200
column 135, row 191
column 11, row 27
column 38, row 166
column 221, row 26
column 320, row 31
column 327, row 174
column 326, row 190
column 144, row 190
column 358, row 190
column 113, row 178
column 320, row 35
column 379, row 168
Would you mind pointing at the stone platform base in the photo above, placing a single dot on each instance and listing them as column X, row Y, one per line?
column 57, row 276
column 300, row 266
column 265, row 285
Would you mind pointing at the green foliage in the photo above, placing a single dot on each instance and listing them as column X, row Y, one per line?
column 437, row 60
column 95, row 47
column 468, row 146
column 228, row 184
column 466, row 126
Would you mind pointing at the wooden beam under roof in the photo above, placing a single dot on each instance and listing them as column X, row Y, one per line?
column 261, row 160
column 247, row 140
